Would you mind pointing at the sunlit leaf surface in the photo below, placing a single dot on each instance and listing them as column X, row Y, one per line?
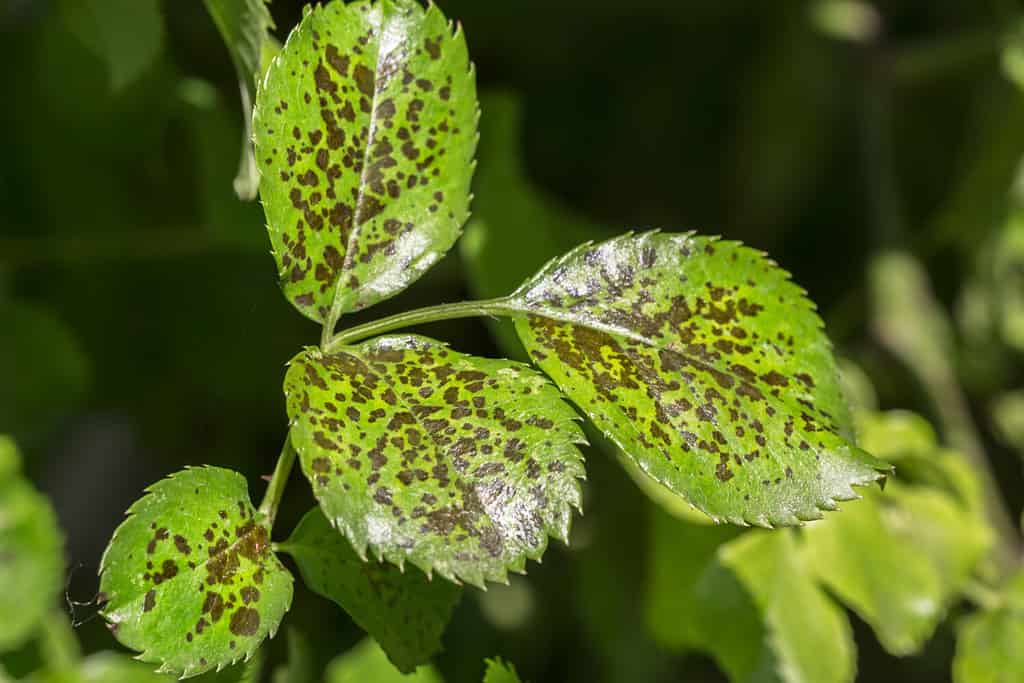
column 462, row 465
column 189, row 578
column 365, row 132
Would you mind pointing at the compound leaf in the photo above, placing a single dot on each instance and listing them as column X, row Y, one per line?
column 245, row 27
column 500, row 672
column 189, row 577
column 367, row 662
column 31, row 553
column 706, row 365
column 988, row 648
column 405, row 612
column 808, row 634
column 365, row 135
column 462, row 465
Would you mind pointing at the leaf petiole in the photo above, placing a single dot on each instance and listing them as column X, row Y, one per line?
column 462, row 309
column 278, row 482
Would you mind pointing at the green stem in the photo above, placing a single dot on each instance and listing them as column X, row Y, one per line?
column 278, row 482
column 463, row 309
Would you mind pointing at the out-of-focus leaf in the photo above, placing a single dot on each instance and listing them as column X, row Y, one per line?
column 516, row 228
column 461, row 465
column 894, row 434
column 367, row 662
column 44, row 369
column 989, row 642
column 991, row 305
column 706, row 365
column 127, row 35
column 1008, row 418
column 31, row 553
column 365, row 130
column 851, row 20
column 500, row 672
column 693, row 602
column 899, row 559
column 189, row 578
column 299, row 667
column 404, row 611
column 906, row 316
column 808, row 634
column 245, row 25
column 857, row 389
column 228, row 220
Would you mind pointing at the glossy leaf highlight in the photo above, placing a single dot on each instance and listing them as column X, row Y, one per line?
column 707, row 366
column 189, row 577
column 365, row 132
column 462, row 465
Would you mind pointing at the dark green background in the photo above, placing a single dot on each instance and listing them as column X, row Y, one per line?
column 735, row 117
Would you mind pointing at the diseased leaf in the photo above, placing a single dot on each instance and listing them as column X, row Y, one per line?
column 367, row 662
column 988, row 648
column 462, row 465
column 127, row 35
column 706, row 365
column 365, row 134
column 404, row 611
column 809, row 635
column 500, row 672
column 31, row 553
column 245, row 25
column 189, row 577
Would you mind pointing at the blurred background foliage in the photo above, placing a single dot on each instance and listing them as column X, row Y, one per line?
column 873, row 150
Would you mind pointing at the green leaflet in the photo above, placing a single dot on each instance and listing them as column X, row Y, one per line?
column 405, row 612
column 694, row 602
column 299, row 666
column 114, row 667
column 189, row 577
column 500, row 672
column 365, row 129
column 367, row 662
column 898, row 560
column 126, row 35
column 31, row 553
column 245, row 25
column 809, row 635
column 706, row 365
column 988, row 646
column 462, row 465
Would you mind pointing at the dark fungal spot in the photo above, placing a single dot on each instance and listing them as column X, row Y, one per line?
column 245, row 622
column 150, row 601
